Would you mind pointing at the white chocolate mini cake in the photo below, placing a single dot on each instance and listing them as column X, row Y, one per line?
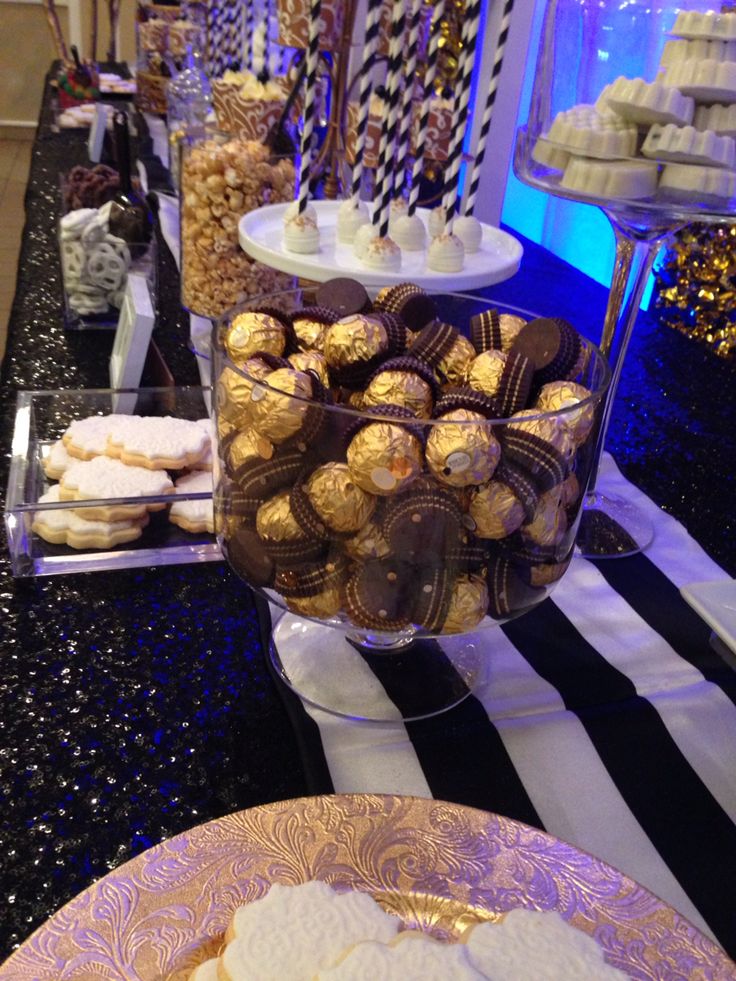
column 586, row 130
column 527, row 945
column 611, row 178
column 692, row 24
column 685, row 144
column 294, row 932
column 705, row 81
column 549, row 155
column 411, row 955
column 470, row 232
column 382, row 252
column 645, row 103
column 688, row 181
column 699, row 49
column 301, row 234
column 446, row 253
column 409, row 233
column 292, row 211
column 350, row 216
column 718, row 118
column 397, row 210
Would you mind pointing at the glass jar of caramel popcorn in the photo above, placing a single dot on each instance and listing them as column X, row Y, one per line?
column 223, row 178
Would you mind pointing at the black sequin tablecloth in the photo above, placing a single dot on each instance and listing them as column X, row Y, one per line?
column 135, row 704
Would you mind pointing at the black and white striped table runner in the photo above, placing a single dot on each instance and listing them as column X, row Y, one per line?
column 607, row 719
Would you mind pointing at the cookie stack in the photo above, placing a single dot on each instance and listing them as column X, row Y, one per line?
column 384, row 469
column 310, row 931
column 102, row 459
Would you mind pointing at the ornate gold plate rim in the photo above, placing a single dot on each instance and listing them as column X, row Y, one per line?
column 439, row 866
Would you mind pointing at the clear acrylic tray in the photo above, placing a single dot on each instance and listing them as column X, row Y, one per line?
column 40, row 419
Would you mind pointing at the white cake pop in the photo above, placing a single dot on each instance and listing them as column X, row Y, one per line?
column 382, row 253
column 292, row 211
column 409, row 233
column 397, row 209
column 301, row 234
column 446, row 253
column 436, row 222
column 350, row 216
column 470, row 232
column 362, row 237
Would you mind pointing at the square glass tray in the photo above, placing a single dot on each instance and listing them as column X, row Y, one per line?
column 40, row 419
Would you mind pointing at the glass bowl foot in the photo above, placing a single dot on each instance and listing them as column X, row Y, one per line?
column 612, row 528
column 375, row 678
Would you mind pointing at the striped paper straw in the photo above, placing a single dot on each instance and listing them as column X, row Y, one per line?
column 407, row 96
column 315, row 10
column 384, row 173
column 364, row 95
column 460, row 113
column 249, row 29
column 480, row 150
column 429, row 76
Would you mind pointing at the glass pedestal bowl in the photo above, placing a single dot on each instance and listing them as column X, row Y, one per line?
column 387, row 543
column 633, row 109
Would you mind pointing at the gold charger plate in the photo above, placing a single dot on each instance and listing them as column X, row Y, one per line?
column 438, row 866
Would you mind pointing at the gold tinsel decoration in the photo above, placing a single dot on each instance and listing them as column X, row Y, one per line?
column 450, row 44
column 695, row 286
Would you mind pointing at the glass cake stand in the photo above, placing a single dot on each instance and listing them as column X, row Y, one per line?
column 361, row 529
column 585, row 46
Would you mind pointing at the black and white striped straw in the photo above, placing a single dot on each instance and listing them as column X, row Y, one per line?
column 310, row 81
column 384, row 173
column 460, row 112
column 405, row 115
column 430, row 73
column 480, row 150
column 250, row 22
column 364, row 95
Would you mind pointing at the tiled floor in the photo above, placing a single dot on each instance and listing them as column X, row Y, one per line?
column 15, row 158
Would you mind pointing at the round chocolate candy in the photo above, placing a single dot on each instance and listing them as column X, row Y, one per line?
column 432, row 595
column 508, row 594
column 278, row 407
column 460, row 453
column 247, row 556
column 540, row 445
column 570, row 491
column 353, row 340
column 433, row 342
column 423, row 523
column 415, row 307
column 340, row 503
column 549, row 524
column 553, row 346
column 454, row 363
column 403, row 381
column 563, row 395
column 384, row 458
column 250, row 332
column 321, row 606
column 282, row 536
column 246, row 448
column 506, row 377
column 311, row 361
column 310, row 325
column 468, row 605
column 233, row 394
column 485, row 371
column 491, row 330
column 496, row 511
column 343, row 295
column 312, row 578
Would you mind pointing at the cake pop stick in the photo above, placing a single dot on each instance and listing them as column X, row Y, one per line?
column 480, row 149
column 249, row 29
column 410, row 68
column 309, row 102
column 429, row 77
column 384, row 174
column 364, row 95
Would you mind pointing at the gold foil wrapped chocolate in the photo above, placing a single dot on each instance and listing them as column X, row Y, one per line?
column 496, row 511
column 548, row 428
column 367, row 543
column 311, row 361
column 275, row 521
column 549, row 524
column 509, row 326
column 384, row 458
column 353, row 340
column 321, row 605
column 454, row 365
column 341, row 504
column 460, row 453
column 248, row 446
column 273, row 410
column 234, row 391
column 484, row 372
column 546, row 573
column 310, row 334
column 400, row 388
column 563, row 395
column 569, row 491
column 251, row 332
column 468, row 605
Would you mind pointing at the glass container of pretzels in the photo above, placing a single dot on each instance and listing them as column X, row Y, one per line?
column 396, row 473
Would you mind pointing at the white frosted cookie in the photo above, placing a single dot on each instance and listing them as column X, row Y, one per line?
column 688, row 181
column 411, row 956
column 205, row 463
column 207, row 971
column 693, row 24
column 194, row 516
column 294, row 932
column 63, row 526
column 718, row 118
column 646, row 103
column 86, row 438
column 528, row 945
column 587, row 131
column 157, row 442
column 705, row 81
column 685, row 144
column 102, row 478
column 56, row 460
column 631, row 179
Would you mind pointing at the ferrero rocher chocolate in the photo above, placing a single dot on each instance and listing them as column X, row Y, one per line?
column 496, row 511
column 273, row 411
column 353, row 340
column 367, row 543
column 275, row 521
column 251, row 332
column 549, row 523
column 548, row 428
column 563, row 394
column 310, row 333
column 546, row 573
column 337, row 499
column 384, row 458
column 311, row 361
column 248, row 446
column 468, row 605
column 460, row 453
column 509, row 326
column 400, row 388
column 321, row 605
column 569, row 491
column 484, row 371
column 454, row 365
column 234, row 390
